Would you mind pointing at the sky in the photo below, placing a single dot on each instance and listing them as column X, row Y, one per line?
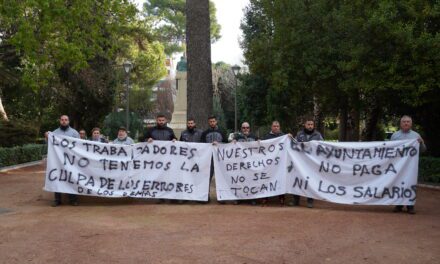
column 229, row 15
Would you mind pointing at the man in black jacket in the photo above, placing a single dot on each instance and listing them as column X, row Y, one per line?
column 213, row 135
column 192, row 133
column 275, row 131
column 160, row 131
column 245, row 136
column 308, row 133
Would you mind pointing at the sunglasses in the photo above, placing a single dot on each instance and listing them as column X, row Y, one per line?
column 245, row 127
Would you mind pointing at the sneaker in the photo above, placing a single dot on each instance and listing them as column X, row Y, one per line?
column 160, row 201
column 397, row 209
column 310, row 204
column 74, row 203
column 55, row 203
column 411, row 210
column 282, row 201
column 236, row 202
column 253, row 202
column 295, row 201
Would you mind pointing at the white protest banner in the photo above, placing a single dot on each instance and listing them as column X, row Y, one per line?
column 161, row 169
column 249, row 170
column 355, row 172
column 350, row 172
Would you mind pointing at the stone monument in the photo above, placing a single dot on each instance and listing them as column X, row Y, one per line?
column 178, row 120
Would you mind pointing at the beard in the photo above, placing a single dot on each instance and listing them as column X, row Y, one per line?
column 64, row 128
column 308, row 131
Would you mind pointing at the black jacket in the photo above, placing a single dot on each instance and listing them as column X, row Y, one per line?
column 160, row 133
column 193, row 135
column 240, row 137
column 302, row 136
column 271, row 135
column 214, row 134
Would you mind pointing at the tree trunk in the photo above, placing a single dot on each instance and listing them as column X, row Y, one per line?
column 198, row 45
column 3, row 115
column 372, row 132
column 343, row 113
column 318, row 116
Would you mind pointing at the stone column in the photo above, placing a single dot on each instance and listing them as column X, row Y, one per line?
column 178, row 121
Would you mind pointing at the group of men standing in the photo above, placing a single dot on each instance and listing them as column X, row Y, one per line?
column 215, row 135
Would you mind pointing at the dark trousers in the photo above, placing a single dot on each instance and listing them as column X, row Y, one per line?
column 72, row 197
column 408, row 207
column 211, row 173
column 296, row 199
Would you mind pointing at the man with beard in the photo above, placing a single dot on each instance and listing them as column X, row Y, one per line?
column 123, row 138
column 406, row 132
column 275, row 131
column 192, row 133
column 64, row 130
column 160, row 131
column 308, row 133
column 245, row 136
column 213, row 135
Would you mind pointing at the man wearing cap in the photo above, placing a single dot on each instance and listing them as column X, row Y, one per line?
column 123, row 138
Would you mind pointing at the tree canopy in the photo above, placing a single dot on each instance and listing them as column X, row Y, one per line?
column 362, row 62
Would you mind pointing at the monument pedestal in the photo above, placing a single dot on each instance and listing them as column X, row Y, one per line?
column 178, row 120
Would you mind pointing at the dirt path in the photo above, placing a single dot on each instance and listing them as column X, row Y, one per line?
column 137, row 231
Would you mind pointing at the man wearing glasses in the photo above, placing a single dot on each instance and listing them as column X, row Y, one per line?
column 245, row 136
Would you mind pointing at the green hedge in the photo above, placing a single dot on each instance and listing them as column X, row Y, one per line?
column 16, row 133
column 429, row 169
column 22, row 154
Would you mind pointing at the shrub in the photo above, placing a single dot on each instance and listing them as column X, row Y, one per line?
column 22, row 154
column 429, row 169
column 114, row 120
column 15, row 133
